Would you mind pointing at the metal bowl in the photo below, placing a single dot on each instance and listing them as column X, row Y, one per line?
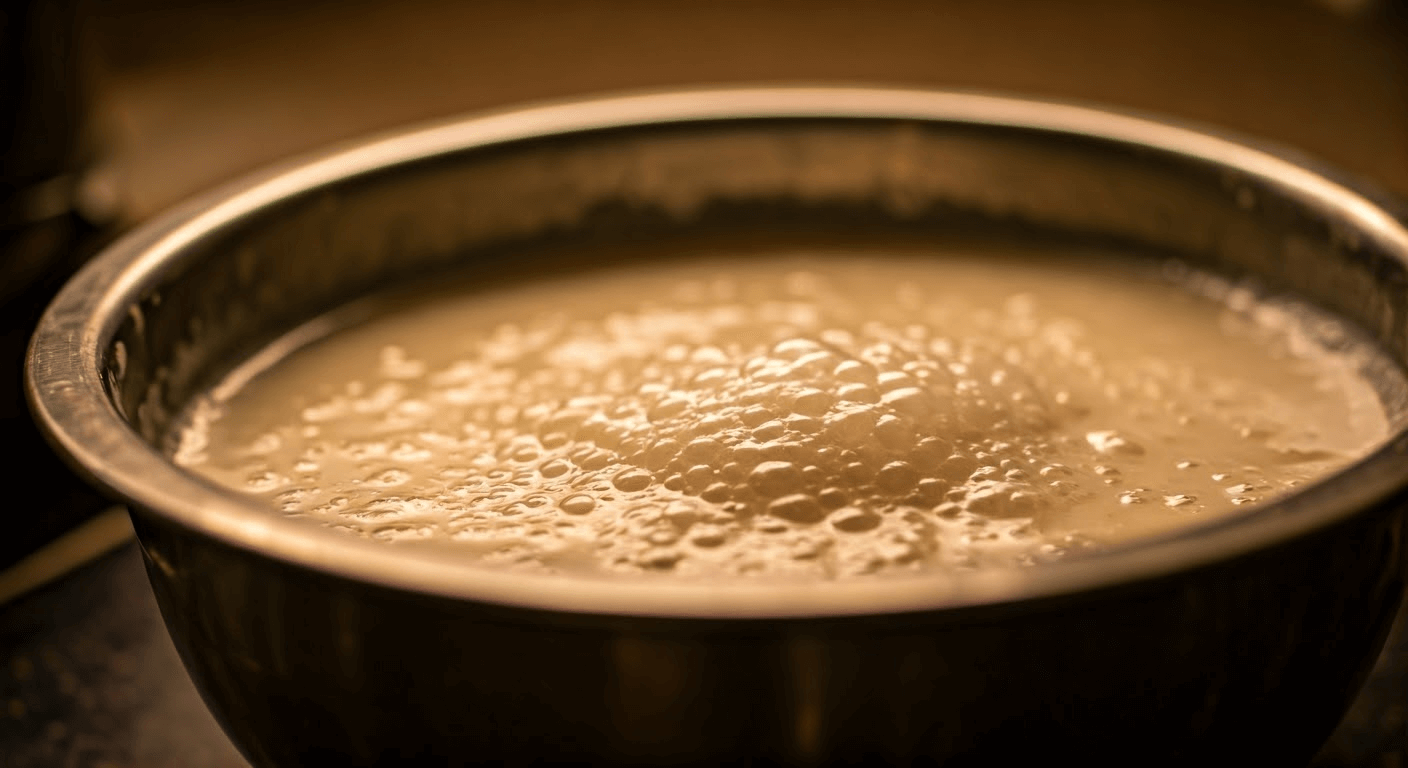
column 1243, row 639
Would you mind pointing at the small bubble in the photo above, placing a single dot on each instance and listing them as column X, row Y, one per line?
column 897, row 476
column 851, row 427
column 716, row 492
column 811, row 402
column 755, row 415
column 668, row 409
column 264, row 480
column 891, row 380
column 893, row 432
column 797, row 507
column 663, row 536
column 554, row 468
column 1112, row 443
column 592, row 459
column 855, row 371
column 910, row 401
column 388, row 478
column 699, row 475
column 708, row 536
column 524, row 454
column 631, row 480
column 660, row 558
column 857, row 393
column 771, row 430
column 806, row 549
column 805, row 425
column 775, row 478
column 853, row 520
column 794, row 348
column 578, row 504
column 957, row 468
column 403, row 532
column 703, row 450
column 832, row 497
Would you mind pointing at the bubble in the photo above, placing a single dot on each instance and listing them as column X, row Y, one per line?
column 403, row 532
column 854, row 520
column 775, row 478
column 578, row 504
column 811, row 402
column 851, row 427
column 832, row 497
column 857, row 393
column 770, row 430
column 668, row 408
column 802, row 425
column 717, row 492
column 1110, row 442
column 958, row 468
column 592, row 459
column 910, row 401
column 524, row 454
column 631, row 480
column 708, row 536
column 660, row 558
column 897, row 477
column 889, row 381
column 703, row 450
column 854, row 371
column 797, row 507
column 662, row 536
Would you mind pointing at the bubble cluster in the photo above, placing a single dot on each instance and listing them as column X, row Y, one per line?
column 822, row 416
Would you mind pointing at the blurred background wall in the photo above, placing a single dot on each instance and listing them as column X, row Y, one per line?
column 191, row 92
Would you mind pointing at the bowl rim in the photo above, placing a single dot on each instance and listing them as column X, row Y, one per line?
column 68, row 397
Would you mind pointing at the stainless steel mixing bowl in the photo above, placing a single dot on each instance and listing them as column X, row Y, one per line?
column 1244, row 639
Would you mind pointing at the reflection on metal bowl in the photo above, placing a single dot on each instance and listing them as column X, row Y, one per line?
column 1245, row 639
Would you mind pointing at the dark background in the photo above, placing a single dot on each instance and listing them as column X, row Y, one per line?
column 112, row 111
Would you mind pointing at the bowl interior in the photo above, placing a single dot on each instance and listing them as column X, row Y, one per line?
column 164, row 312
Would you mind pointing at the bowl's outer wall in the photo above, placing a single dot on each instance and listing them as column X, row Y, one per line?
column 1248, row 662
column 1254, row 657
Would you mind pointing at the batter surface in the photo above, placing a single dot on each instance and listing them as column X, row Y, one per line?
column 819, row 414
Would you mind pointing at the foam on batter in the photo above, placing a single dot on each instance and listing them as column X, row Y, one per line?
column 815, row 414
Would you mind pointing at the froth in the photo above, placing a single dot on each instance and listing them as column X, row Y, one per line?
column 828, row 416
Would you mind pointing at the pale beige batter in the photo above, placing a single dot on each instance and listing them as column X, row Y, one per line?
column 821, row 414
